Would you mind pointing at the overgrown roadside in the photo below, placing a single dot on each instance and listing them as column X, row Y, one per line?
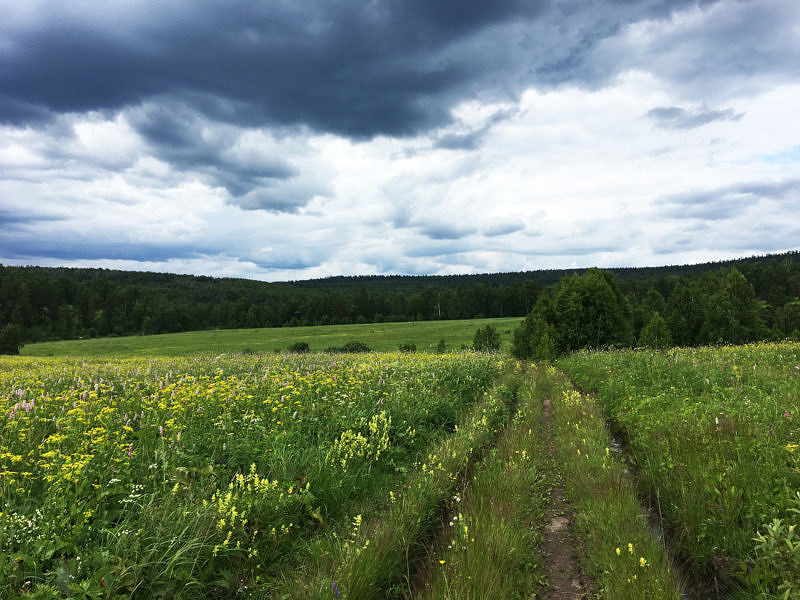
column 375, row 556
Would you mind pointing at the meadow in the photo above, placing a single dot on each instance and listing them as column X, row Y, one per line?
column 382, row 337
column 713, row 436
column 202, row 477
column 400, row 475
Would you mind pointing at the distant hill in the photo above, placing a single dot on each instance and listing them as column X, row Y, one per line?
column 48, row 303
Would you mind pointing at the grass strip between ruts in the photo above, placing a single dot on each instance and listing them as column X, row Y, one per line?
column 621, row 552
column 491, row 546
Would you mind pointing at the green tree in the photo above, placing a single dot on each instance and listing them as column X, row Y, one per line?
column 732, row 313
column 534, row 339
column 486, row 339
column 10, row 339
column 581, row 311
column 656, row 333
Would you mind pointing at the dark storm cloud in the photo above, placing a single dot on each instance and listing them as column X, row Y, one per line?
column 349, row 67
column 180, row 136
column 728, row 201
column 674, row 117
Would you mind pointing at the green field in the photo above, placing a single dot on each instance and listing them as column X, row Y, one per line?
column 393, row 475
column 385, row 337
column 713, row 434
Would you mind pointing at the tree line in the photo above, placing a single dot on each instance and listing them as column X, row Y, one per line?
column 39, row 303
column 593, row 310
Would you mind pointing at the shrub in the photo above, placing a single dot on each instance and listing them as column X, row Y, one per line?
column 486, row 339
column 353, row 346
column 10, row 339
column 408, row 347
column 299, row 347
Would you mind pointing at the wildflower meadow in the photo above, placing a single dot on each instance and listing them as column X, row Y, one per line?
column 203, row 476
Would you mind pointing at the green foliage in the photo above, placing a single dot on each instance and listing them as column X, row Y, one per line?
column 622, row 555
column 194, row 478
column 10, row 339
column 63, row 303
column 299, row 347
column 352, row 346
column 582, row 311
column 408, row 347
column 534, row 339
column 714, row 435
column 656, row 333
column 486, row 339
column 441, row 347
column 732, row 313
column 494, row 552
column 777, row 557
column 369, row 556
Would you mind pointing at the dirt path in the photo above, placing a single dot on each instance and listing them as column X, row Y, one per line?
column 564, row 577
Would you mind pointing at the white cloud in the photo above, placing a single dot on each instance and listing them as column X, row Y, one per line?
column 564, row 176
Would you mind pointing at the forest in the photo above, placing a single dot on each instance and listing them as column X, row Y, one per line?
column 732, row 301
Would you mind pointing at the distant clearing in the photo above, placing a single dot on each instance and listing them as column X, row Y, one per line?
column 425, row 335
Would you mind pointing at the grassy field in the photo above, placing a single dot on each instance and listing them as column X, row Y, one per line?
column 209, row 476
column 713, row 434
column 378, row 336
column 382, row 475
column 392, row 475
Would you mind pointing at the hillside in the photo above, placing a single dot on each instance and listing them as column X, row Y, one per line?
column 45, row 303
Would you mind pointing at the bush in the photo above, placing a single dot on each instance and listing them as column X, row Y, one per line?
column 354, row 346
column 486, row 339
column 441, row 347
column 408, row 347
column 10, row 339
column 299, row 347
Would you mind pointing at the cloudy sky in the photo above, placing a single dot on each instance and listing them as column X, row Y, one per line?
column 289, row 140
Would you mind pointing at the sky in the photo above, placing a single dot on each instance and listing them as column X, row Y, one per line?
column 282, row 140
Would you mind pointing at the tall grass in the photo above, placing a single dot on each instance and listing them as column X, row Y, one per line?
column 376, row 554
column 203, row 477
column 713, row 434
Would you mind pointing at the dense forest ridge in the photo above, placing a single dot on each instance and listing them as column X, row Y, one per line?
column 45, row 303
